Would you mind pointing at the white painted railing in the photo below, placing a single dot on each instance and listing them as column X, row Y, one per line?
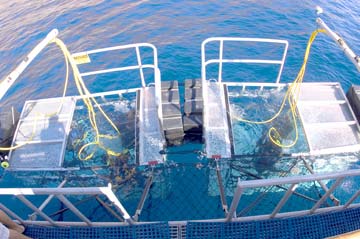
column 139, row 66
column 61, row 194
column 205, row 62
column 125, row 219
column 294, row 181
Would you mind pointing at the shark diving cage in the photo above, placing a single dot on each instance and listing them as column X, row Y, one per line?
column 218, row 135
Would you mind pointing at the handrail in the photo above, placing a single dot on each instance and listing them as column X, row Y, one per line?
column 355, row 59
column 12, row 77
column 60, row 193
column 220, row 60
column 139, row 66
column 294, row 181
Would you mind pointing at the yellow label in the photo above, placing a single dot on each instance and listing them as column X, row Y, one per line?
column 82, row 59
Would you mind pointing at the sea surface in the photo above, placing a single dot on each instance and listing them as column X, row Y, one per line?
column 177, row 29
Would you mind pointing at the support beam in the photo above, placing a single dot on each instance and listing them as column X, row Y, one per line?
column 143, row 197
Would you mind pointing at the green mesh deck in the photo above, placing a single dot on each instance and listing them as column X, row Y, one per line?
column 315, row 226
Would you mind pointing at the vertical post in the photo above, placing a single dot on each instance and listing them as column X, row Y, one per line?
column 35, row 209
column 74, row 209
column 203, row 66
column 288, row 193
column 326, row 195
column 235, row 202
column 282, row 62
column 143, row 84
column 220, row 60
column 143, row 197
column 221, row 187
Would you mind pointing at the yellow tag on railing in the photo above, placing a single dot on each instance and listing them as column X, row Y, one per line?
column 82, row 59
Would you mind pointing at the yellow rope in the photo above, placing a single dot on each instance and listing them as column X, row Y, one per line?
column 44, row 115
column 84, row 92
column 291, row 96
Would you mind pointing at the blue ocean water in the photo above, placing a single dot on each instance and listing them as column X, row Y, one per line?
column 177, row 29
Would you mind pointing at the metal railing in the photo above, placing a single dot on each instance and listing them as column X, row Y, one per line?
column 294, row 181
column 139, row 66
column 288, row 184
column 221, row 60
column 60, row 193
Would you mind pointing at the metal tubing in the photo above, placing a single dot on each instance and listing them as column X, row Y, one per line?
column 11, row 78
column 204, row 63
column 355, row 196
column 143, row 84
column 332, row 197
column 355, row 59
column 35, row 209
column 283, row 62
column 221, row 188
column 107, row 207
column 120, row 48
column 76, row 224
column 235, row 202
column 220, row 60
column 288, row 193
column 326, row 195
column 297, row 179
column 250, row 61
column 55, row 191
column 11, row 213
column 74, row 209
column 116, row 69
column 143, row 197
column 48, row 199
column 111, row 196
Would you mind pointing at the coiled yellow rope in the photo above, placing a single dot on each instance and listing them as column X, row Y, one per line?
column 291, row 96
column 84, row 92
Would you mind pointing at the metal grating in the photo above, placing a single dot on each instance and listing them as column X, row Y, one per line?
column 216, row 127
column 329, row 123
column 153, row 230
column 314, row 226
column 151, row 139
column 43, row 129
